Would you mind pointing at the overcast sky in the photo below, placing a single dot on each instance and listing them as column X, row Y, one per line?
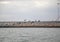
column 17, row 10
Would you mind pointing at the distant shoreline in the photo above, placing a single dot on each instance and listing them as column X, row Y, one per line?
column 29, row 26
column 50, row 24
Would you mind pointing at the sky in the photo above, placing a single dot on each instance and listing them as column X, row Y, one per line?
column 19, row 10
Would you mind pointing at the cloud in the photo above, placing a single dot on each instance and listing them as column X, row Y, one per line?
column 26, row 5
column 36, row 3
column 4, row 2
column 28, row 9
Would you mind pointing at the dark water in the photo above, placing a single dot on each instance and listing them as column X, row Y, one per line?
column 29, row 34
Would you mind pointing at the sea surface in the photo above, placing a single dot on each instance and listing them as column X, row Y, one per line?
column 29, row 34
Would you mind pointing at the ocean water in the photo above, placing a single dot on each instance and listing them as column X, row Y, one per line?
column 29, row 34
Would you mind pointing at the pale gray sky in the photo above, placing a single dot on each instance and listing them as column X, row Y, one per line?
column 17, row 10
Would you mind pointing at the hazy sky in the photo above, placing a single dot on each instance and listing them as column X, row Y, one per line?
column 17, row 10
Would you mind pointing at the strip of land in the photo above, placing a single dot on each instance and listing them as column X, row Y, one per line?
column 50, row 24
